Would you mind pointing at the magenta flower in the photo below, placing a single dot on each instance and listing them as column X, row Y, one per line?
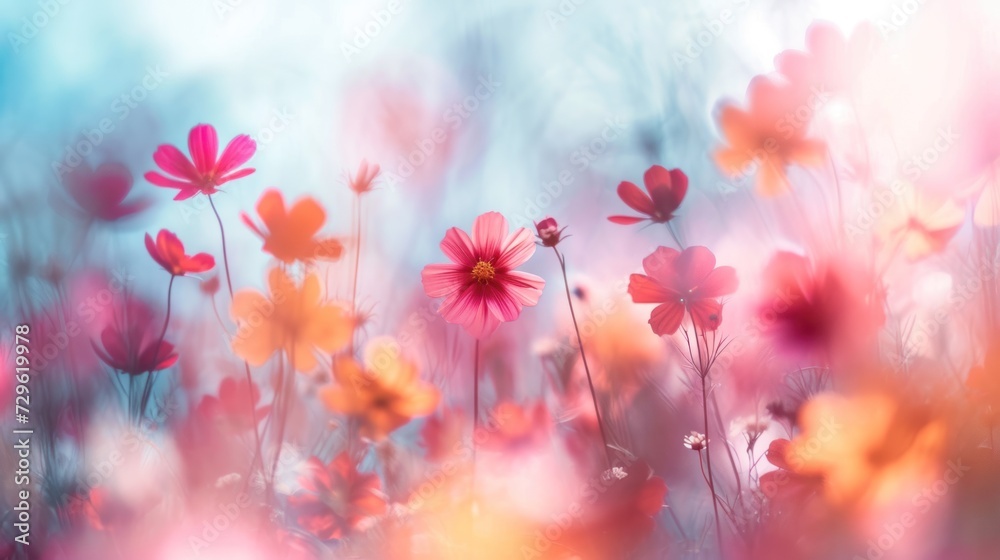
column 203, row 173
column 101, row 193
column 666, row 192
column 481, row 287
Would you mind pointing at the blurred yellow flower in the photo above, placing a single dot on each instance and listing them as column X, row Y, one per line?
column 293, row 319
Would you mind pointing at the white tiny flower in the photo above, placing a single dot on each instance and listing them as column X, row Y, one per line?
column 695, row 441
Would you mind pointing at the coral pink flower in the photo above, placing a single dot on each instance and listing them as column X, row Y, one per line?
column 230, row 407
column 666, row 192
column 290, row 234
column 679, row 282
column 338, row 497
column 481, row 287
column 363, row 181
column 830, row 62
column 203, row 173
column 168, row 252
column 101, row 193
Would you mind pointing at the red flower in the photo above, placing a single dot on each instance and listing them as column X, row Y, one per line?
column 548, row 232
column 131, row 346
column 206, row 173
column 101, row 193
column 168, row 252
column 666, row 192
column 362, row 182
column 339, row 498
column 679, row 282
column 230, row 406
column 482, row 289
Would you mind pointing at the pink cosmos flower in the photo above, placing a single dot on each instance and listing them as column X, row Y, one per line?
column 203, row 173
column 682, row 281
column 101, row 192
column 481, row 287
column 666, row 192
column 367, row 173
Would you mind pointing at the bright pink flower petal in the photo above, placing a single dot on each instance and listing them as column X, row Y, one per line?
column 203, row 143
column 199, row 263
column 501, row 303
column 527, row 288
column 237, row 152
column 236, row 175
column 644, row 289
column 635, row 198
column 188, row 193
column 442, row 280
column 516, row 250
column 661, row 265
column 154, row 251
column 174, row 162
column 457, row 246
column 666, row 318
column 625, row 220
column 489, row 232
column 468, row 308
column 161, row 181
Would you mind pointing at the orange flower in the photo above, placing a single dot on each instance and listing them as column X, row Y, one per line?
column 769, row 135
column 293, row 319
column 290, row 234
column 920, row 225
column 384, row 394
column 870, row 448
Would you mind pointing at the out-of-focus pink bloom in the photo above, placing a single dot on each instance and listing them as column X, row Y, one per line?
column 210, row 286
column 442, row 434
column 666, row 192
column 230, row 407
column 920, row 225
column 132, row 345
column 101, row 193
column 819, row 305
column 337, row 498
column 830, row 64
column 364, row 179
column 519, row 427
column 205, row 171
column 682, row 281
column 481, row 287
column 168, row 252
column 549, row 233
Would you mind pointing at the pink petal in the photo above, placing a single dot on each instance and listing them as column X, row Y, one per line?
column 635, row 198
column 171, row 160
column 489, row 232
column 526, row 288
column 200, row 263
column 237, row 175
column 667, row 188
column 625, row 220
column 188, row 193
column 237, row 152
column 112, row 182
column 706, row 314
column 501, row 303
column 666, row 318
column 154, row 251
column 203, row 143
column 720, row 282
column 457, row 246
column 644, row 289
column 468, row 308
column 516, row 250
column 442, row 280
column 113, row 345
column 661, row 265
column 693, row 266
column 161, row 181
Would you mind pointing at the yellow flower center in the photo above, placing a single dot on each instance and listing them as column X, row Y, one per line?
column 483, row 272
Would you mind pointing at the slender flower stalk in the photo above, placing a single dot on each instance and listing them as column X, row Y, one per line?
column 704, row 366
column 151, row 378
column 246, row 366
column 357, row 267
